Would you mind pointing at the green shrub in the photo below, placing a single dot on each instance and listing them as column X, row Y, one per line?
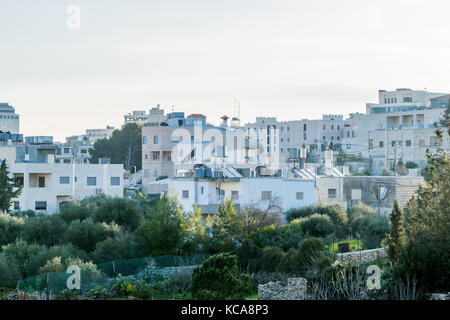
column 371, row 230
column 45, row 229
column 270, row 259
column 9, row 272
column 121, row 211
column 359, row 210
column 86, row 234
column 317, row 225
column 10, row 228
column 217, row 278
column 335, row 211
column 285, row 236
column 123, row 246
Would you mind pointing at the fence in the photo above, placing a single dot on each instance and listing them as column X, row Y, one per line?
column 105, row 274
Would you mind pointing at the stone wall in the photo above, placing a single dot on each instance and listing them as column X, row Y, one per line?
column 358, row 257
column 294, row 290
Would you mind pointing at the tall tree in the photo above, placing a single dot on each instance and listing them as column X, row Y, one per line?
column 161, row 231
column 124, row 147
column 396, row 239
column 9, row 189
column 228, row 230
column 427, row 250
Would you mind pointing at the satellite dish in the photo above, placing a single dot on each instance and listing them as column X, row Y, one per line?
column 402, row 170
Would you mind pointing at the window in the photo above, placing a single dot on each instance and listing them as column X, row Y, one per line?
column 393, row 143
column 144, row 140
column 146, row 156
column 41, row 182
column 324, row 127
column 338, row 127
column 40, row 205
column 332, row 127
column 155, row 156
column 331, row 193
column 115, row 181
column 185, row 194
column 300, row 195
column 64, row 180
column 202, row 190
column 66, row 150
column 266, row 195
column 356, row 194
column 16, row 205
column 408, row 143
column 146, row 173
column 91, row 181
column 304, row 127
column 83, row 151
column 155, row 140
column 234, row 195
column 381, row 144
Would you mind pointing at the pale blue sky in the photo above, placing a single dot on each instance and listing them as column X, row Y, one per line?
column 289, row 59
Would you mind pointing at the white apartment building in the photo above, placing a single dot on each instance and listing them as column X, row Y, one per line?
column 9, row 119
column 288, row 137
column 76, row 148
column 155, row 116
column 395, row 131
column 258, row 192
column 47, row 185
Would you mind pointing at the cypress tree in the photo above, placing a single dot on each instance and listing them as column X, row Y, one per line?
column 396, row 238
column 8, row 188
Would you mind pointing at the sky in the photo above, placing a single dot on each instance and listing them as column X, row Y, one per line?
column 289, row 59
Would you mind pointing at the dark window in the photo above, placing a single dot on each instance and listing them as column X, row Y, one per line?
column 115, row 181
column 40, row 205
column 64, row 180
column 16, row 205
column 41, row 182
column 331, row 193
column 91, row 181
column 408, row 143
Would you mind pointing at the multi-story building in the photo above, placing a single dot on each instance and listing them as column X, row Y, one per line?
column 183, row 143
column 46, row 183
column 155, row 116
column 9, row 119
column 288, row 137
column 259, row 192
column 395, row 130
column 76, row 148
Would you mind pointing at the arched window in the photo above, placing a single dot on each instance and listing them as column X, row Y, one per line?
column 155, row 140
column 144, row 140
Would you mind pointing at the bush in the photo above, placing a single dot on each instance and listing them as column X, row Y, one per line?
column 335, row 211
column 48, row 230
column 86, row 234
column 27, row 258
column 297, row 261
column 317, row 225
column 9, row 272
column 217, row 278
column 123, row 246
column 10, row 228
column 124, row 212
column 371, row 230
column 286, row 236
column 270, row 259
column 248, row 255
column 359, row 210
